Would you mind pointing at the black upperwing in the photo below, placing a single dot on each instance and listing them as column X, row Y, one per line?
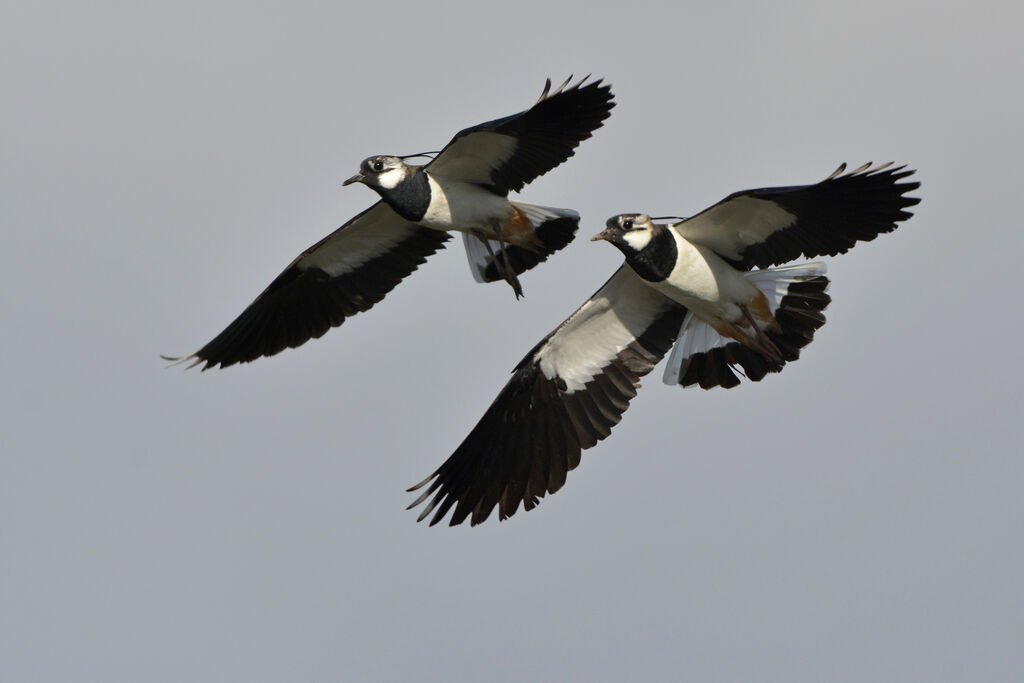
column 507, row 153
column 345, row 273
column 774, row 225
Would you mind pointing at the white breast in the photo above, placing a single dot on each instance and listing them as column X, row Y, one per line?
column 463, row 206
column 703, row 282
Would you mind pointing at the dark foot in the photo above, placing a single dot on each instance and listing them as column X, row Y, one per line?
column 504, row 266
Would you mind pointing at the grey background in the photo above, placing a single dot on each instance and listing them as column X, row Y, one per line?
column 857, row 517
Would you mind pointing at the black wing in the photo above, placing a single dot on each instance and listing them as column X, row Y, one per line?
column 774, row 225
column 564, row 397
column 506, row 154
column 345, row 273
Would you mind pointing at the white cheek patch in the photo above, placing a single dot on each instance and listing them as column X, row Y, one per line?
column 637, row 239
column 391, row 178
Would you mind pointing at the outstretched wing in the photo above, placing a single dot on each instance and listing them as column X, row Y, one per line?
column 774, row 225
column 345, row 273
column 564, row 397
column 506, row 154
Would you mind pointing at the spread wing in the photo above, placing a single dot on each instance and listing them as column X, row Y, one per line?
column 506, row 154
column 564, row 397
column 345, row 273
column 774, row 225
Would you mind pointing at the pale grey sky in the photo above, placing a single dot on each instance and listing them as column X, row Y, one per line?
column 856, row 517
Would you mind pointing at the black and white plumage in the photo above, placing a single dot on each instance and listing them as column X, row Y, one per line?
column 689, row 285
column 463, row 188
column 564, row 397
column 758, row 320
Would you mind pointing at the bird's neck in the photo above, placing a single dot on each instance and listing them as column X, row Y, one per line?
column 655, row 262
column 411, row 197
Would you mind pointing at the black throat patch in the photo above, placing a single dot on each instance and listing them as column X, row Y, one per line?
column 655, row 262
column 411, row 197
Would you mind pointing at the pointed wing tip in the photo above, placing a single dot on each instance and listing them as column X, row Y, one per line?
column 581, row 83
column 432, row 505
column 836, row 173
column 545, row 91
column 420, row 485
column 869, row 169
column 861, row 168
column 441, row 504
column 426, row 511
column 178, row 360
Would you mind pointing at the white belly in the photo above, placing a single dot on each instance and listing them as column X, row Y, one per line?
column 707, row 285
column 463, row 207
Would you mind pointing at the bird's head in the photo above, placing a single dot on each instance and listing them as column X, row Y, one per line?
column 630, row 232
column 381, row 172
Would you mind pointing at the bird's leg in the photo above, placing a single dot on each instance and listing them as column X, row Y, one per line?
column 502, row 264
column 505, row 266
column 767, row 346
column 490, row 252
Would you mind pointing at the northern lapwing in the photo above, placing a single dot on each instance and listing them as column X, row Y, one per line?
column 464, row 188
column 690, row 284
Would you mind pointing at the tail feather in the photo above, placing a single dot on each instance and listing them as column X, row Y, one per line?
column 797, row 298
column 554, row 228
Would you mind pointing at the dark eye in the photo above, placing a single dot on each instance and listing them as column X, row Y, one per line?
column 377, row 165
column 627, row 223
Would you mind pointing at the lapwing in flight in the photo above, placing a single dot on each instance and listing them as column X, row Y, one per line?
column 703, row 284
column 464, row 188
